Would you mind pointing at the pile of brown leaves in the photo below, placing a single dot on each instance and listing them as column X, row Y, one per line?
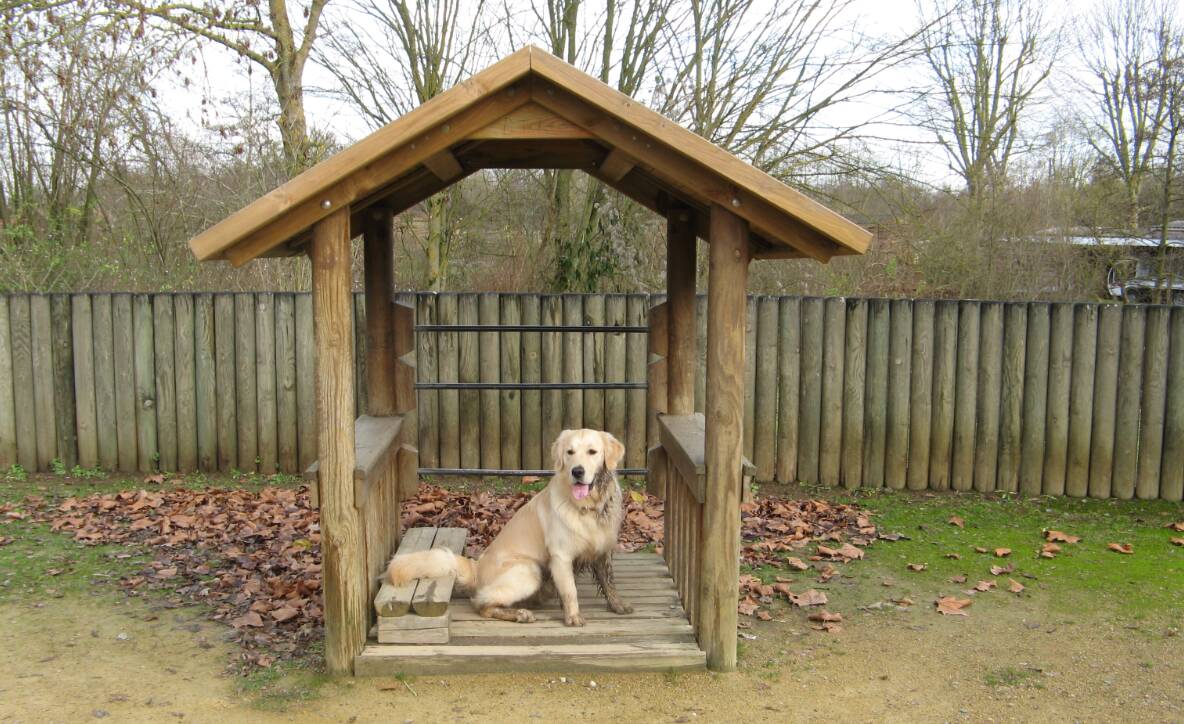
column 253, row 557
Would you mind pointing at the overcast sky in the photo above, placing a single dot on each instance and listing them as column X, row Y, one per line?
column 225, row 81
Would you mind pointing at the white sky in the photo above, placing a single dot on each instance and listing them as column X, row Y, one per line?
column 220, row 81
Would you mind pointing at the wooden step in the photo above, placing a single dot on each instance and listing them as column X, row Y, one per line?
column 555, row 631
column 389, row 660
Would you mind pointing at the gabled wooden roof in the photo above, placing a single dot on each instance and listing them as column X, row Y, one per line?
column 532, row 110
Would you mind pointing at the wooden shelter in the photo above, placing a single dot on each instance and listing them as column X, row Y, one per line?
column 532, row 110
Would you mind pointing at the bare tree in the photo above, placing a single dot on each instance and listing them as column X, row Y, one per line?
column 778, row 86
column 402, row 55
column 262, row 35
column 988, row 58
column 1126, row 46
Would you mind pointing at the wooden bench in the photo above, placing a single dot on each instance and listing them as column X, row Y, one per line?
column 417, row 612
column 684, row 438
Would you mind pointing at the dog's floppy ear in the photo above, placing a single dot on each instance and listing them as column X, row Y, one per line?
column 557, row 450
column 613, row 450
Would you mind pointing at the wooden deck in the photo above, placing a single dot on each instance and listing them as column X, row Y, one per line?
column 655, row 637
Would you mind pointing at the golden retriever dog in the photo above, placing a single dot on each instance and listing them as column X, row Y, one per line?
column 570, row 525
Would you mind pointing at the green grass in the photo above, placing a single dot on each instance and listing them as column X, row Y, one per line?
column 39, row 563
column 1082, row 577
column 285, row 683
column 1011, row 676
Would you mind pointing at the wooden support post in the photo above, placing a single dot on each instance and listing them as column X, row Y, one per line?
column 726, row 291
column 680, row 311
column 342, row 547
column 658, row 340
column 378, row 244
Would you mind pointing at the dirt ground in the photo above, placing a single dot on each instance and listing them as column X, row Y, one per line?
column 105, row 657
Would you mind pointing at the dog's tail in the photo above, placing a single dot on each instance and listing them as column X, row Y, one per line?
column 435, row 563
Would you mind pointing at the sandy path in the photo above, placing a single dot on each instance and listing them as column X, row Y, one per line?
column 67, row 661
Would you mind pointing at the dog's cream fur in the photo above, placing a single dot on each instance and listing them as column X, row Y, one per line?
column 538, row 551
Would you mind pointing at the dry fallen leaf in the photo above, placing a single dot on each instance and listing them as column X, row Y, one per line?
column 951, row 606
column 747, row 606
column 826, row 617
column 957, row 520
column 984, row 586
column 917, row 567
column 764, row 615
column 1178, row 526
column 828, row 627
column 1000, row 570
column 797, row 564
column 1124, row 548
column 1175, row 541
column 960, row 578
column 903, row 602
column 1056, row 536
column 1015, row 586
column 954, row 556
column 980, row 549
column 809, row 598
column 1002, row 552
column 1049, row 550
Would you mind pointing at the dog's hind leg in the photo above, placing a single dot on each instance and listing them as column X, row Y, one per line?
column 602, row 569
column 497, row 600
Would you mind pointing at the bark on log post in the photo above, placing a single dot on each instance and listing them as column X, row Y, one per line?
column 378, row 245
column 342, row 547
column 727, row 284
column 680, row 310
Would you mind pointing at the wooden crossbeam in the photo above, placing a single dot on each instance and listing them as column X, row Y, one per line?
column 616, row 164
column 444, row 165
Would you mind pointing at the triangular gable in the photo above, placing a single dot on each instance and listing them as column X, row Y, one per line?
column 532, row 110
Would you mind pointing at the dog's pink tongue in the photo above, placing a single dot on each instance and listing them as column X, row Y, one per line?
column 580, row 490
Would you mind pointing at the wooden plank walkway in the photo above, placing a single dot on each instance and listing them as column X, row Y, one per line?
column 655, row 637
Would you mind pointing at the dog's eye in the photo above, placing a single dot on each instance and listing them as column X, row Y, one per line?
column 591, row 452
column 571, row 452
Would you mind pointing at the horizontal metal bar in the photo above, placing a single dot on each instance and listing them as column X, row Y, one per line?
column 531, row 385
column 633, row 328
column 512, row 473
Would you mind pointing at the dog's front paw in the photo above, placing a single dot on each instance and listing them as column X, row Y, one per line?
column 620, row 607
column 573, row 619
column 524, row 616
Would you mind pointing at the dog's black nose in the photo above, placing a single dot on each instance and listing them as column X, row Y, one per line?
column 578, row 472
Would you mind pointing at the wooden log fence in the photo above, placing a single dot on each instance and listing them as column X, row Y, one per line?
column 1034, row 398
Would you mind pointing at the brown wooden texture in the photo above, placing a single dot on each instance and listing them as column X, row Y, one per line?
column 615, row 367
column 83, row 381
column 1060, row 367
column 656, row 399
column 21, row 331
column 635, row 365
column 378, row 252
column 105, row 404
column 764, row 452
column 680, row 311
column 1171, row 481
column 531, row 370
column 789, row 351
column 165, row 373
column 346, row 599
column 266, row 386
column 966, row 388
column 469, row 355
column 1081, row 399
column 489, row 359
column 65, row 415
column 920, row 395
column 287, row 411
column 896, row 444
column 184, row 361
column 573, row 362
column 1035, row 400
column 1011, row 400
column 148, row 454
column 726, row 310
column 988, row 397
column 945, row 371
column 810, row 410
column 875, row 403
column 449, row 371
column 854, row 388
column 205, row 371
column 43, row 374
column 510, row 401
column 593, row 361
column 1155, row 363
column 831, row 436
column 306, row 407
column 8, row 447
column 427, row 370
